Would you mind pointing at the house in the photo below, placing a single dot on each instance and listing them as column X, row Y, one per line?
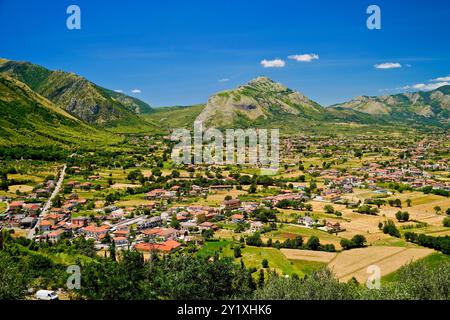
column 46, row 225
column 80, row 221
column 31, row 208
column 207, row 226
column 165, row 247
column 122, row 233
column 28, row 222
column 56, row 235
column 150, row 223
column 237, row 218
column 162, row 233
column 15, row 205
column 95, row 232
column 159, row 194
column 306, row 221
column 232, row 204
column 332, row 197
column 333, row 227
column 42, row 193
column 186, row 226
column 120, row 241
column 256, row 226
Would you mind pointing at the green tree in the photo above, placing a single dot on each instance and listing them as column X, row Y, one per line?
column 13, row 280
column 261, row 279
column 252, row 188
column 237, row 252
column 446, row 222
column 313, row 243
column 329, row 209
column 174, row 223
column 408, row 202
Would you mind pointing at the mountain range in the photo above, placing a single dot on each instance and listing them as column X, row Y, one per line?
column 39, row 105
column 80, row 97
column 265, row 102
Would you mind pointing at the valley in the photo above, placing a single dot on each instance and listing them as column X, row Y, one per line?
column 359, row 184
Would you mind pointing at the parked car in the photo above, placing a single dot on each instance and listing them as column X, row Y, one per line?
column 46, row 295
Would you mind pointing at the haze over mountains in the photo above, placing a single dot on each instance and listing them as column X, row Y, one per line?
column 38, row 104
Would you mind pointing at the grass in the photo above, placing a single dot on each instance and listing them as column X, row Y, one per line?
column 175, row 117
column 290, row 231
column 253, row 257
column 2, row 207
column 431, row 261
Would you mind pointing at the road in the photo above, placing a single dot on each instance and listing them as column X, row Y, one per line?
column 48, row 204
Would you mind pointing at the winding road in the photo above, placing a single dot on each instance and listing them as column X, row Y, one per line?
column 48, row 204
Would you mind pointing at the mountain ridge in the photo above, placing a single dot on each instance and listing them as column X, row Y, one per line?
column 84, row 99
column 261, row 99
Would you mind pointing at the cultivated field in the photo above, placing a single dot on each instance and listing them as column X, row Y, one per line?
column 354, row 263
column 307, row 255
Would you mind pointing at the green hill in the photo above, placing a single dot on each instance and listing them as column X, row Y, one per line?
column 259, row 102
column 82, row 98
column 432, row 107
column 175, row 117
column 28, row 119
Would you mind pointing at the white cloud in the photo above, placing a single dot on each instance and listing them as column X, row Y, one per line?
column 118, row 91
column 224, row 80
column 388, row 65
column 276, row 63
column 136, row 91
column 304, row 57
column 441, row 79
column 426, row 86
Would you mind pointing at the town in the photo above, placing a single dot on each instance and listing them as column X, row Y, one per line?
column 330, row 195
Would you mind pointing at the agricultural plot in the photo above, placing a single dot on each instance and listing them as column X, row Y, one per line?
column 285, row 232
column 354, row 263
column 23, row 188
column 307, row 255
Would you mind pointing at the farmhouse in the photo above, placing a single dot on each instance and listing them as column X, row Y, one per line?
column 232, row 204
column 159, row 194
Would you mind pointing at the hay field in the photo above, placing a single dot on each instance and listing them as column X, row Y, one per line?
column 354, row 263
column 307, row 255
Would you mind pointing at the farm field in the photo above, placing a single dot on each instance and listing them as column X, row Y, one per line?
column 291, row 231
column 253, row 257
column 354, row 263
column 422, row 207
column 308, row 255
column 21, row 188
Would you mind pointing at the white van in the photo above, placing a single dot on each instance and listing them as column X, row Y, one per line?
column 46, row 295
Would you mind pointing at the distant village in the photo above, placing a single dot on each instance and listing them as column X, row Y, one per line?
column 164, row 226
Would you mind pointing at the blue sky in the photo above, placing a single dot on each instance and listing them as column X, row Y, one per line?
column 176, row 52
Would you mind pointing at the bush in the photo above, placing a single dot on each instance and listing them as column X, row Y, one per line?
column 446, row 222
column 402, row 216
column 390, row 229
column 358, row 241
